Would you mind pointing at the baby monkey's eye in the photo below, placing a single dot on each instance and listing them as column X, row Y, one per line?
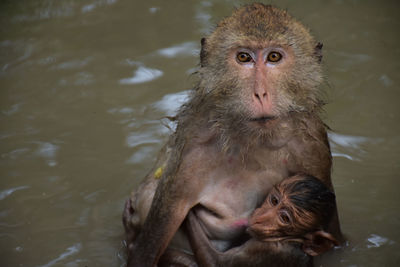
column 274, row 57
column 284, row 217
column 243, row 57
column 274, row 200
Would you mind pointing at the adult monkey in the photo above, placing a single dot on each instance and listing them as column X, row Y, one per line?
column 251, row 121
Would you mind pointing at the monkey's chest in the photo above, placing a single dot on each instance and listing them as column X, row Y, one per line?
column 232, row 193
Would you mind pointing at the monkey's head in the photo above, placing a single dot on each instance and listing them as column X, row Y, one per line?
column 299, row 208
column 260, row 64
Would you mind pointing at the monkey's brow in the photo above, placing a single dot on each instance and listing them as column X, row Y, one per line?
column 275, row 189
column 291, row 44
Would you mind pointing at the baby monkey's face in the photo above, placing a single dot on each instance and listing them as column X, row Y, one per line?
column 279, row 217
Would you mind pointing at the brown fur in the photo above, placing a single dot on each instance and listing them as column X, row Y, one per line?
column 218, row 99
column 224, row 157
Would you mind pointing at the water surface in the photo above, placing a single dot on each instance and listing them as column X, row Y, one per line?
column 84, row 85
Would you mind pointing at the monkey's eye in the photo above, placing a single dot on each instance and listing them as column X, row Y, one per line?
column 274, row 57
column 284, row 217
column 273, row 200
column 243, row 57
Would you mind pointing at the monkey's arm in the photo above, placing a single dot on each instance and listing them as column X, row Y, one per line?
column 248, row 254
column 205, row 253
column 166, row 214
column 173, row 257
column 252, row 253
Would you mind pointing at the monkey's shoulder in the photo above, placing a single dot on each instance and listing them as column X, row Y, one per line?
column 309, row 150
column 310, row 133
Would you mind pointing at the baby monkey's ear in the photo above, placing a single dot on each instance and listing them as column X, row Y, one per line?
column 318, row 242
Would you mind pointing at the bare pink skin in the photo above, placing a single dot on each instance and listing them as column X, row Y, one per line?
column 241, row 223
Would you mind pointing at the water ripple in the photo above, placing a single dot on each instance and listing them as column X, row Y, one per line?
column 142, row 75
column 136, row 139
column 7, row 192
column 48, row 151
column 170, row 103
column 15, row 153
column 376, row 241
column 186, row 49
column 73, row 64
column 70, row 251
column 91, row 7
column 141, row 155
column 13, row 109
column 349, row 147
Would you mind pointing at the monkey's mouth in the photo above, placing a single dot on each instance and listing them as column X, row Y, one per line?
column 260, row 233
column 263, row 119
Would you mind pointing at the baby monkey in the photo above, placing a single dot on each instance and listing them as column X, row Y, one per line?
column 286, row 230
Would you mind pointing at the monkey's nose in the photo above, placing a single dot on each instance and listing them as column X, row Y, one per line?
column 262, row 102
column 261, row 97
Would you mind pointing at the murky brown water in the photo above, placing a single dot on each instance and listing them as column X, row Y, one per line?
column 84, row 84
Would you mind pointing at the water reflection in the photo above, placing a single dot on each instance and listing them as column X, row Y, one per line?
column 170, row 103
column 142, row 75
column 47, row 151
column 203, row 16
column 7, row 192
column 69, row 252
column 350, row 147
column 148, row 137
column 187, row 49
column 386, row 81
column 14, row 108
column 15, row 153
column 142, row 154
column 71, row 64
column 95, row 4
column 375, row 241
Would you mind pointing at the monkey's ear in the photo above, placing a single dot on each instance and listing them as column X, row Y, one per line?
column 203, row 53
column 318, row 242
column 318, row 51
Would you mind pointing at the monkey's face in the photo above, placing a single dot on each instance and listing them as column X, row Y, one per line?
column 273, row 219
column 278, row 217
column 260, row 64
column 261, row 72
column 270, row 79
